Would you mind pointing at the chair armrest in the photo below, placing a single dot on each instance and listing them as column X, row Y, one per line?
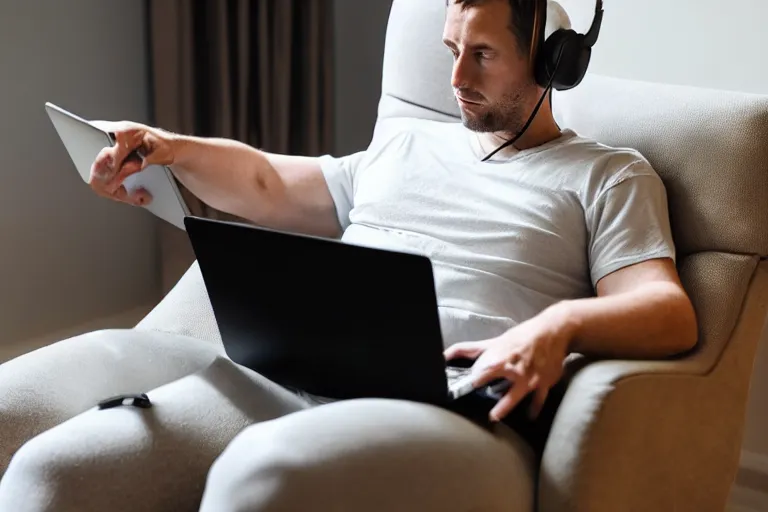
column 185, row 310
column 628, row 436
column 643, row 435
column 664, row 435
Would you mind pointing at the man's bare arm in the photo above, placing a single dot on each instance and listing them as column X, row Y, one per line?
column 277, row 191
column 641, row 311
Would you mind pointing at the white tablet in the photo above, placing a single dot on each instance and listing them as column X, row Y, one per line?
column 84, row 141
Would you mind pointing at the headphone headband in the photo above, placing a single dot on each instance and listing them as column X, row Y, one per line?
column 594, row 31
column 563, row 58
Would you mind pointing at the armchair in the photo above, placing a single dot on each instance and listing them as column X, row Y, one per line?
column 627, row 435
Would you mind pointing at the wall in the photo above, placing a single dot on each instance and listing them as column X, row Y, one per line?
column 360, row 28
column 707, row 43
column 67, row 257
column 712, row 43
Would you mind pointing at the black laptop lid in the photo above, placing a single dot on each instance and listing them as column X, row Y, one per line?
column 330, row 318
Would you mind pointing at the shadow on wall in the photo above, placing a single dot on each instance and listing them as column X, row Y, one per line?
column 67, row 257
column 360, row 28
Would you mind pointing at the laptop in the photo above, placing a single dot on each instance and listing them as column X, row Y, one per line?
column 326, row 317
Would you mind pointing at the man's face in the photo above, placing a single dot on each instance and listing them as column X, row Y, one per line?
column 492, row 80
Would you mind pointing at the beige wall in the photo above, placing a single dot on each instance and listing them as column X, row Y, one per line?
column 66, row 256
column 707, row 43
column 711, row 43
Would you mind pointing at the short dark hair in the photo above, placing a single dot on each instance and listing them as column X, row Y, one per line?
column 522, row 21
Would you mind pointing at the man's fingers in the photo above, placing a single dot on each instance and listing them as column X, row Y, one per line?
column 520, row 386
column 502, row 370
column 113, row 126
column 468, row 350
column 102, row 167
column 126, row 142
column 509, row 401
column 537, row 404
column 114, row 164
column 120, row 194
column 139, row 197
column 132, row 164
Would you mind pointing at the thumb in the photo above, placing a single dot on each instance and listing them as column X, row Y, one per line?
column 466, row 350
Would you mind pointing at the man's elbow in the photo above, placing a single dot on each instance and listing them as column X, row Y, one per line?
column 684, row 334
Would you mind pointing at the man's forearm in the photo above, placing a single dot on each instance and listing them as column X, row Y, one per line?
column 655, row 320
column 225, row 174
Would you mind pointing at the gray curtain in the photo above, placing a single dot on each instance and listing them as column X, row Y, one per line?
column 258, row 71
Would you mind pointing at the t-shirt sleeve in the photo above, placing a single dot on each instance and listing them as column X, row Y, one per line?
column 339, row 175
column 628, row 224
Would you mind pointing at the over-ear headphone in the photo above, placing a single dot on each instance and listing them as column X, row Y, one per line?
column 562, row 57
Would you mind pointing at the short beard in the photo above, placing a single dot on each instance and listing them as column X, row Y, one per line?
column 507, row 115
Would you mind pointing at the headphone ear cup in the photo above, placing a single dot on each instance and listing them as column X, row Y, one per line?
column 568, row 47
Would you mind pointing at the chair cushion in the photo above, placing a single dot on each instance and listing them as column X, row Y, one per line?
column 186, row 310
column 710, row 148
column 416, row 80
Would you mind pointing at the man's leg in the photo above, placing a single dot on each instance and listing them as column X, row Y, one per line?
column 41, row 389
column 128, row 459
column 372, row 455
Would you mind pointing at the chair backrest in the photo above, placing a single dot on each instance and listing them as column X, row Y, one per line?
column 710, row 148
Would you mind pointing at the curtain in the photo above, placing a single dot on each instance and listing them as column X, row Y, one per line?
column 258, row 71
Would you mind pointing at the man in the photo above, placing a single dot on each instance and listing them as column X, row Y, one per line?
column 519, row 244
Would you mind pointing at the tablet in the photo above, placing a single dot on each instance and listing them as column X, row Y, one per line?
column 83, row 141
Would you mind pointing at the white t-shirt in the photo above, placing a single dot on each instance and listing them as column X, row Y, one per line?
column 509, row 237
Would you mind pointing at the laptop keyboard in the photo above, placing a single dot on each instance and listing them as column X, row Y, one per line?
column 455, row 374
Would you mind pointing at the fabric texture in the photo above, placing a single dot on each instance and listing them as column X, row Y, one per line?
column 186, row 310
column 359, row 455
column 660, row 435
column 417, row 83
column 710, row 148
column 258, row 72
column 557, row 19
column 153, row 460
column 509, row 237
column 384, row 456
column 43, row 388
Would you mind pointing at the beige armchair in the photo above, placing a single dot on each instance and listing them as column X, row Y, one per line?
column 629, row 435
column 626, row 436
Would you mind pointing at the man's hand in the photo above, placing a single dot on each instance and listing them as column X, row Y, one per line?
column 641, row 312
column 530, row 356
column 136, row 147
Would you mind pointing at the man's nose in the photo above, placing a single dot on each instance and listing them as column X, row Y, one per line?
column 461, row 77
